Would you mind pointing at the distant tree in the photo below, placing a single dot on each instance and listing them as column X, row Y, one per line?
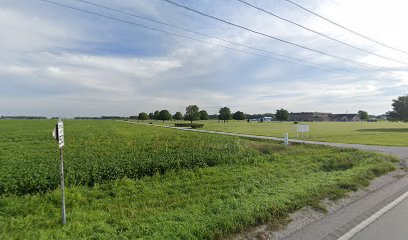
column 255, row 116
column 282, row 115
column 164, row 115
column 143, row 116
column 156, row 115
column 213, row 116
column 133, row 117
column 151, row 116
column 192, row 113
column 178, row 116
column 400, row 109
column 24, row 117
column 225, row 114
column 238, row 116
column 363, row 115
column 203, row 115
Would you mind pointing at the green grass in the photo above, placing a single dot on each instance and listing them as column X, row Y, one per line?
column 381, row 133
column 97, row 151
column 248, row 182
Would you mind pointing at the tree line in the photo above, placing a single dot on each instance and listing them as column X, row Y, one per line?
column 193, row 113
column 22, row 117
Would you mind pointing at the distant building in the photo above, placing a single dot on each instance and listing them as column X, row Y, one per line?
column 266, row 119
column 262, row 119
column 349, row 117
column 310, row 117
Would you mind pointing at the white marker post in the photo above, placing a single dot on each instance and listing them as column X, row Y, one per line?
column 58, row 134
column 286, row 139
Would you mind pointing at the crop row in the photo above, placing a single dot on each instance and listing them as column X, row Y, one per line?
column 97, row 151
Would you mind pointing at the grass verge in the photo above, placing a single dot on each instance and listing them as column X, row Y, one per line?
column 201, row 203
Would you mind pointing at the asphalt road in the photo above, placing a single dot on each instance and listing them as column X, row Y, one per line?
column 392, row 225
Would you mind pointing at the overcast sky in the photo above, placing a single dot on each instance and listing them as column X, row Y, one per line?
column 58, row 61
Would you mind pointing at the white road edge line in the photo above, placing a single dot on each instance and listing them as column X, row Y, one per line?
column 372, row 218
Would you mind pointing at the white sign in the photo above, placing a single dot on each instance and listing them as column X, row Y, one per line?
column 303, row 128
column 58, row 134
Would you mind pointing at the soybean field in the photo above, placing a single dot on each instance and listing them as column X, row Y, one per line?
column 130, row 181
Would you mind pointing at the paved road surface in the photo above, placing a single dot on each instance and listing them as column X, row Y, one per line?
column 392, row 225
column 341, row 222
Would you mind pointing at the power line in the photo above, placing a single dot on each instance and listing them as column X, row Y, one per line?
column 347, row 60
column 319, row 33
column 207, row 35
column 187, row 37
column 346, row 28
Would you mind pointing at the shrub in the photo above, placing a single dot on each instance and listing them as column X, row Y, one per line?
column 192, row 125
column 197, row 125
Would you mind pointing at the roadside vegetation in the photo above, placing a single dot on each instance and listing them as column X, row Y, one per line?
column 128, row 181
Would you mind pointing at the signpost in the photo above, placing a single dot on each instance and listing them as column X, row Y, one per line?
column 302, row 128
column 58, row 134
column 286, row 138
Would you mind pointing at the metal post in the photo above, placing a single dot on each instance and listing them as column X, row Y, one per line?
column 64, row 220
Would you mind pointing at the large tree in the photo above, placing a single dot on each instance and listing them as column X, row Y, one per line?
column 142, row 116
column 151, row 116
column 238, row 116
column 178, row 116
column 192, row 113
column 164, row 115
column 363, row 115
column 225, row 114
column 203, row 115
column 156, row 115
column 400, row 109
column 282, row 115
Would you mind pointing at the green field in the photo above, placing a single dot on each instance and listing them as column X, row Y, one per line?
column 127, row 181
column 381, row 133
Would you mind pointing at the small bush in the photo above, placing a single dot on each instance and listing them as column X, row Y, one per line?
column 197, row 125
column 338, row 164
column 266, row 148
column 192, row 125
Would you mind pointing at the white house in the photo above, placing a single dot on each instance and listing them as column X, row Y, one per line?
column 267, row 119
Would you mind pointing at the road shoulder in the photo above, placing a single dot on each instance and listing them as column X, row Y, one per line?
column 341, row 216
